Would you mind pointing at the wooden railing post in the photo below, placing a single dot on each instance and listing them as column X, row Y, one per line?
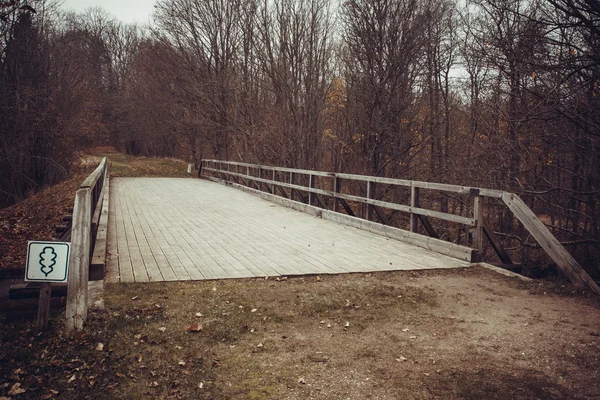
column 272, row 184
column 336, row 190
column 369, row 207
column 260, row 175
column 291, row 183
column 478, row 229
column 414, row 203
column 77, row 286
column 311, row 184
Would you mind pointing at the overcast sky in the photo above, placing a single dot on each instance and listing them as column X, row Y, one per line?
column 139, row 11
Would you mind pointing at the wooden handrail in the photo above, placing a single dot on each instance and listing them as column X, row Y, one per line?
column 374, row 179
column 82, row 239
column 480, row 230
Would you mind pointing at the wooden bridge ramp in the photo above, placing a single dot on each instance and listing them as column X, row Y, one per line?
column 165, row 229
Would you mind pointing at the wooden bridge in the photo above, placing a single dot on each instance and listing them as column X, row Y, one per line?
column 190, row 229
column 175, row 229
column 165, row 229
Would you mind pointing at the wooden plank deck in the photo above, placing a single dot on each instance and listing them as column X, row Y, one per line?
column 171, row 229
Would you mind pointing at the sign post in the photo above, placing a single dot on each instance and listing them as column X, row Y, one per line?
column 47, row 262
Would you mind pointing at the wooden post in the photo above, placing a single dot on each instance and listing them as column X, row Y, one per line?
column 414, row 203
column 260, row 175
column 291, row 183
column 44, row 306
column 369, row 207
column 79, row 261
column 273, row 184
column 478, row 230
column 549, row 243
column 311, row 184
column 336, row 190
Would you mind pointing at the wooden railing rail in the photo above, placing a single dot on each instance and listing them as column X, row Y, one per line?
column 86, row 212
column 267, row 180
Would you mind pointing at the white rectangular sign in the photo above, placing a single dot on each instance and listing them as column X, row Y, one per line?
column 47, row 261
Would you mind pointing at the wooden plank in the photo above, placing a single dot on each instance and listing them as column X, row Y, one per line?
column 112, row 262
column 497, row 245
column 98, row 261
column 335, row 193
column 414, row 203
column 370, row 195
column 478, row 230
column 382, row 215
column 439, row 246
column 553, row 248
column 428, row 227
column 76, row 311
column 91, row 180
column 347, row 207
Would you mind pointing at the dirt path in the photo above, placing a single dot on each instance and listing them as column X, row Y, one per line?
column 456, row 334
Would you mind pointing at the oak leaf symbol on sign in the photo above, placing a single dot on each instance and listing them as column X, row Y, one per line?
column 48, row 260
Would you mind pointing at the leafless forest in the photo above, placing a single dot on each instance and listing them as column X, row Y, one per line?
column 492, row 93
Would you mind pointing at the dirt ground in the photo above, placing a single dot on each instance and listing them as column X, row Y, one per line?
column 452, row 334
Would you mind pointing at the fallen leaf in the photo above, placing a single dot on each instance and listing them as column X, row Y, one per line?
column 405, row 330
column 201, row 385
column 54, row 392
column 199, row 315
column 301, row 381
column 347, row 324
column 72, row 378
column 259, row 345
column 18, row 371
column 181, row 363
column 194, row 328
column 412, row 337
column 153, row 384
column 162, row 329
column 16, row 390
column 44, row 397
column 401, row 358
column 134, row 298
column 254, row 310
column 100, row 347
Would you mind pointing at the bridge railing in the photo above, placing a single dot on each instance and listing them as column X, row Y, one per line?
column 321, row 193
column 86, row 215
